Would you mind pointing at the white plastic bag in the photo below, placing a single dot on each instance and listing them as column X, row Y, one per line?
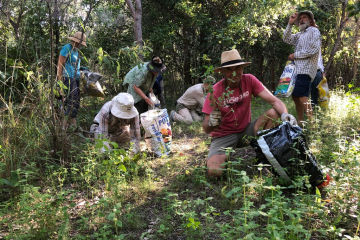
column 157, row 124
column 155, row 100
column 287, row 81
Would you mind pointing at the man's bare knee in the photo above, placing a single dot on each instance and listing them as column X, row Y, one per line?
column 215, row 165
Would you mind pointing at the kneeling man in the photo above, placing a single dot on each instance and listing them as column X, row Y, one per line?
column 190, row 104
column 228, row 110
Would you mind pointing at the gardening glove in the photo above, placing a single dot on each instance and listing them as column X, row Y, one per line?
column 150, row 103
column 155, row 100
column 135, row 147
column 286, row 117
column 215, row 118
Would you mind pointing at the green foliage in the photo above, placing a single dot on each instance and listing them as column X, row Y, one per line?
column 37, row 213
column 115, row 195
column 354, row 9
column 116, row 66
column 111, row 168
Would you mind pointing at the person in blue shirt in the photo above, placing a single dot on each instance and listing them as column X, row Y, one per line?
column 68, row 70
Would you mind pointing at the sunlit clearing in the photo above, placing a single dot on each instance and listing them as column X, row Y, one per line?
column 343, row 106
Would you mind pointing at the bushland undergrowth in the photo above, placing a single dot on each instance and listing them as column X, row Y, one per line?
column 119, row 196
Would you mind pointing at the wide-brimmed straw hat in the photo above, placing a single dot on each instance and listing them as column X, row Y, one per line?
column 307, row 12
column 230, row 59
column 77, row 38
column 122, row 106
column 156, row 65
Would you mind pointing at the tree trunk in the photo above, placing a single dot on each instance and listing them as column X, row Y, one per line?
column 138, row 23
column 273, row 78
column 355, row 47
column 56, row 30
column 187, row 55
column 136, row 13
column 53, row 126
column 344, row 19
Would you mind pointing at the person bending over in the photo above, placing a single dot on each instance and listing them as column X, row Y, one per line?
column 118, row 121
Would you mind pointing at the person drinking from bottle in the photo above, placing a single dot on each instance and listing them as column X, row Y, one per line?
column 228, row 110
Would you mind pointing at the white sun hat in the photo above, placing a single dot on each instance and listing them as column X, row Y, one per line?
column 122, row 106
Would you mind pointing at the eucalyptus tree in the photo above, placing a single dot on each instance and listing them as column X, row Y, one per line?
column 337, row 20
column 136, row 12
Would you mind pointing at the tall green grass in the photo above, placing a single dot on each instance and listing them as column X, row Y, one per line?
column 118, row 196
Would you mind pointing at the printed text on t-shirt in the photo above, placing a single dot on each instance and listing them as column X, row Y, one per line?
column 228, row 102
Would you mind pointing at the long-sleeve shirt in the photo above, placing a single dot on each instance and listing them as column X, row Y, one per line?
column 129, row 126
column 307, row 47
column 193, row 98
column 141, row 77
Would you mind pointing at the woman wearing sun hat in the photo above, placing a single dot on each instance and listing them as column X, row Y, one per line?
column 68, row 70
column 118, row 121
column 228, row 109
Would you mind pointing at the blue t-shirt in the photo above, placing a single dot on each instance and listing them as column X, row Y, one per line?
column 71, row 56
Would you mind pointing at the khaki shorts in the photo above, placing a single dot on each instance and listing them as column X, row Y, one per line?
column 218, row 144
column 179, row 106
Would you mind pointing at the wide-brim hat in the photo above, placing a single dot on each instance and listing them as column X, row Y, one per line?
column 307, row 12
column 230, row 59
column 79, row 37
column 122, row 106
column 156, row 65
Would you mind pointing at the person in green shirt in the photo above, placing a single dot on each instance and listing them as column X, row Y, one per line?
column 140, row 80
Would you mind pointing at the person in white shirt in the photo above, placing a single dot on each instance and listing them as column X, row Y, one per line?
column 189, row 105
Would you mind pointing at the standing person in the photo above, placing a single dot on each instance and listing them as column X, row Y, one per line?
column 68, row 70
column 141, row 79
column 118, row 121
column 228, row 109
column 307, row 44
column 318, row 77
column 189, row 105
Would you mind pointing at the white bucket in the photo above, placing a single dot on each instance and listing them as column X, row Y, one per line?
column 157, row 124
